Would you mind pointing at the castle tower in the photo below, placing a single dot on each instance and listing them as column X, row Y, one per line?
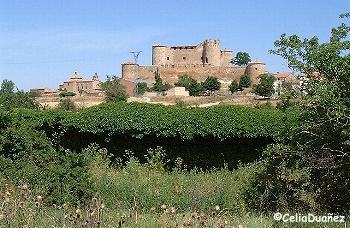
column 160, row 55
column 226, row 57
column 211, row 52
column 254, row 70
column 130, row 70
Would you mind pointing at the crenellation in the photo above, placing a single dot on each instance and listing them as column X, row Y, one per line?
column 199, row 61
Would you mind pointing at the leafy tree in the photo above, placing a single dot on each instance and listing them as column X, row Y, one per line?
column 184, row 81
column 10, row 99
column 234, row 86
column 67, row 94
column 114, row 90
column 195, row 89
column 241, row 59
column 142, row 88
column 265, row 87
column 244, row 81
column 211, row 84
column 7, row 86
column 158, row 86
column 67, row 105
column 320, row 145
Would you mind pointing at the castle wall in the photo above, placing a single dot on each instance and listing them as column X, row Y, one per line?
column 188, row 56
column 226, row 57
column 170, row 74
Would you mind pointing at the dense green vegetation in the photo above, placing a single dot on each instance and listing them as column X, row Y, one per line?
column 241, row 58
column 63, row 158
column 114, row 90
column 244, row 81
column 265, row 87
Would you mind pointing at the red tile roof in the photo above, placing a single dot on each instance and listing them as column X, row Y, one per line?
column 284, row 75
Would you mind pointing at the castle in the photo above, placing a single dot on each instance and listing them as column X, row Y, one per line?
column 199, row 61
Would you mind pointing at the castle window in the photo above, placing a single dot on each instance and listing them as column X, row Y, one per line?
column 256, row 68
column 184, row 58
column 206, row 59
column 167, row 58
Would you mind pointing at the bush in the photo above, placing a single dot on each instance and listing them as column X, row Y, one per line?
column 114, row 90
column 282, row 181
column 67, row 94
column 142, row 88
column 211, row 84
column 184, row 81
column 195, row 89
column 29, row 156
column 10, row 99
column 265, row 87
column 67, row 105
column 244, row 81
column 234, row 86
column 158, row 86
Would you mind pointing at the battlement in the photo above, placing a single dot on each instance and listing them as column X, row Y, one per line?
column 199, row 61
column 207, row 52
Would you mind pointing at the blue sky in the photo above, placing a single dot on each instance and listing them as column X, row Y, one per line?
column 43, row 41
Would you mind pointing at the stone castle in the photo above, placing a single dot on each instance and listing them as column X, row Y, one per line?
column 198, row 61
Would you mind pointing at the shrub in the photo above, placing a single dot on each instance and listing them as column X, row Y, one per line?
column 211, row 84
column 184, row 81
column 67, row 94
column 195, row 89
column 114, row 90
column 265, row 87
column 142, row 88
column 67, row 105
column 234, row 86
column 244, row 81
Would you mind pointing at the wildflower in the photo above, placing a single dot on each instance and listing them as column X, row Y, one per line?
column 172, row 210
column 78, row 213
column 24, row 187
column 194, row 215
column 39, row 199
column 217, row 208
column 163, row 207
column 152, row 209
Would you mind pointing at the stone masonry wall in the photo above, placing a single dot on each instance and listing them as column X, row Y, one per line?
column 200, row 73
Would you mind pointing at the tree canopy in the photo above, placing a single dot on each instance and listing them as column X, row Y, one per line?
column 211, row 84
column 265, row 87
column 114, row 90
column 241, row 59
column 317, row 154
column 244, row 81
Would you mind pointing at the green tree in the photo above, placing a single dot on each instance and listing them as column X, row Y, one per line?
column 195, row 89
column 158, row 86
column 67, row 104
column 67, row 94
column 211, row 84
column 114, row 90
column 9, row 98
column 320, row 145
column 241, row 59
column 265, row 87
column 184, row 81
column 234, row 86
column 7, row 86
column 244, row 81
column 142, row 88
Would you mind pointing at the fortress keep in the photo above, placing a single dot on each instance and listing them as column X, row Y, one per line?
column 198, row 61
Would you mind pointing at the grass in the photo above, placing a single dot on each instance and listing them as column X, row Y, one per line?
column 146, row 195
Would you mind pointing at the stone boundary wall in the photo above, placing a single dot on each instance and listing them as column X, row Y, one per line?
column 170, row 74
